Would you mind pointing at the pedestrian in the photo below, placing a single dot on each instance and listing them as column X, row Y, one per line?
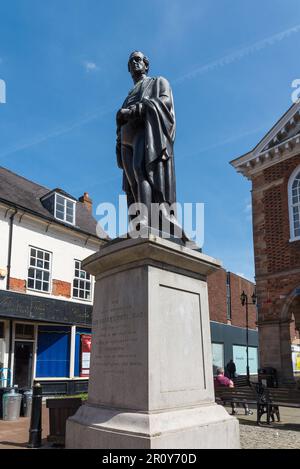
column 231, row 369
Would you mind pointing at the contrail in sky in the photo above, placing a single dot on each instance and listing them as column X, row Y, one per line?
column 239, row 54
column 221, row 143
column 219, row 63
column 57, row 132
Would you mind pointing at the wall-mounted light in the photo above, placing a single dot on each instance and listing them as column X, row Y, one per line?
column 3, row 273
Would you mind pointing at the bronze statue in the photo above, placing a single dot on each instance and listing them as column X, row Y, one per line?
column 145, row 139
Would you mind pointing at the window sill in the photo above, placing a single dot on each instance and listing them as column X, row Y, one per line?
column 65, row 221
column 39, row 291
column 291, row 240
column 81, row 299
column 67, row 378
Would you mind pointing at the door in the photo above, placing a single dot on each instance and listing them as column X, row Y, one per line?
column 23, row 361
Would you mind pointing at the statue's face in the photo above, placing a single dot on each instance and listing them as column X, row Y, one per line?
column 137, row 64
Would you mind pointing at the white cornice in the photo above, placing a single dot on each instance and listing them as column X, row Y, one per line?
column 59, row 227
column 262, row 157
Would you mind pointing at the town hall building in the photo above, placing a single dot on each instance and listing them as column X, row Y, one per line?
column 273, row 167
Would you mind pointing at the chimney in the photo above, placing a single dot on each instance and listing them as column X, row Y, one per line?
column 87, row 201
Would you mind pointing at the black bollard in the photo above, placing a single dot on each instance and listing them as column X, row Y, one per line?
column 35, row 430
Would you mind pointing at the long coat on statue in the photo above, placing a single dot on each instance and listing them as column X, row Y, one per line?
column 158, row 117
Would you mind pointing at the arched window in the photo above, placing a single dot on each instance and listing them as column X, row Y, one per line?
column 294, row 204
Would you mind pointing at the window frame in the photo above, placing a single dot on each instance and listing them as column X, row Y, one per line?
column 90, row 280
column 291, row 205
column 228, row 297
column 49, row 292
column 66, row 200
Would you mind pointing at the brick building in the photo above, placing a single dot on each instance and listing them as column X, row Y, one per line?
column 273, row 166
column 228, row 321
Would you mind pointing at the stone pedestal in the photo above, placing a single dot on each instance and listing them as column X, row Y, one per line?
column 151, row 383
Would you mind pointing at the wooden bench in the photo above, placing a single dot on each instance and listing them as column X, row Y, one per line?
column 244, row 395
column 267, row 400
column 240, row 381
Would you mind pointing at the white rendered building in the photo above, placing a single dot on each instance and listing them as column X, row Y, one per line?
column 45, row 297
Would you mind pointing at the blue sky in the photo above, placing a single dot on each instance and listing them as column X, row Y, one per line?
column 230, row 63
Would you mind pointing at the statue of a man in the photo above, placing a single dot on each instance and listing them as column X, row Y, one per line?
column 145, row 137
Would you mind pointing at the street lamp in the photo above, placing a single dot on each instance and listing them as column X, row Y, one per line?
column 244, row 301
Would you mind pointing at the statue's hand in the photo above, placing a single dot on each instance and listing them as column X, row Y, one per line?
column 123, row 115
column 164, row 156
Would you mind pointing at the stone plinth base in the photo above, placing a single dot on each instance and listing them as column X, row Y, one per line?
column 202, row 427
column 151, row 383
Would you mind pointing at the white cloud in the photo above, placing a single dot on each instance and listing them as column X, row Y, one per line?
column 248, row 208
column 90, row 66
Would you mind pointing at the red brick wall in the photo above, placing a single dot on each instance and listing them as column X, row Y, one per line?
column 282, row 254
column 60, row 288
column 276, row 259
column 217, row 296
column 17, row 284
column 238, row 312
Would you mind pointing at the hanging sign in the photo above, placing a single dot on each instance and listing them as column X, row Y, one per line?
column 86, row 341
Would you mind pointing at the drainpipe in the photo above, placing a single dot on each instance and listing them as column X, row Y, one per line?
column 11, row 227
column 10, row 352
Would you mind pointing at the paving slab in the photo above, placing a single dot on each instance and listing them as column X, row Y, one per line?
column 283, row 435
column 15, row 434
column 278, row 435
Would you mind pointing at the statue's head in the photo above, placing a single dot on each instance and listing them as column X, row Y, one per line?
column 138, row 63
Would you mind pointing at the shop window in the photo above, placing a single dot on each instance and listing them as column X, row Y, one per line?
column 53, row 352
column 24, row 331
column 240, row 359
column 80, row 333
column 217, row 356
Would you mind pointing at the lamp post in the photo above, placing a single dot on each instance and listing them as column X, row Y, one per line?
column 244, row 301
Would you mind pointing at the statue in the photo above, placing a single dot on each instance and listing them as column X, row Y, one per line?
column 145, row 138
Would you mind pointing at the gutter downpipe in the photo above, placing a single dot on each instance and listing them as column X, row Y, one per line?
column 11, row 227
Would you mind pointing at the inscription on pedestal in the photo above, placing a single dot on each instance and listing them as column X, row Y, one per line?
column 117, row 339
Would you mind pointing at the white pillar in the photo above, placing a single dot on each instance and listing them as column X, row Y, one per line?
column 72, row 351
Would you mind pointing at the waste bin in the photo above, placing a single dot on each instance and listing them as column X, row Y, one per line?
column 27, row 403
column 11, row 405
column 3, row 391
column 23, row 401
column 268, row 377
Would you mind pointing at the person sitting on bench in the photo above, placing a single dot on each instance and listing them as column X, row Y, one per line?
column 222, row 380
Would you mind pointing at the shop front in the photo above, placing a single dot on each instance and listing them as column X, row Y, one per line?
column 36, row 347
column 229, row 342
